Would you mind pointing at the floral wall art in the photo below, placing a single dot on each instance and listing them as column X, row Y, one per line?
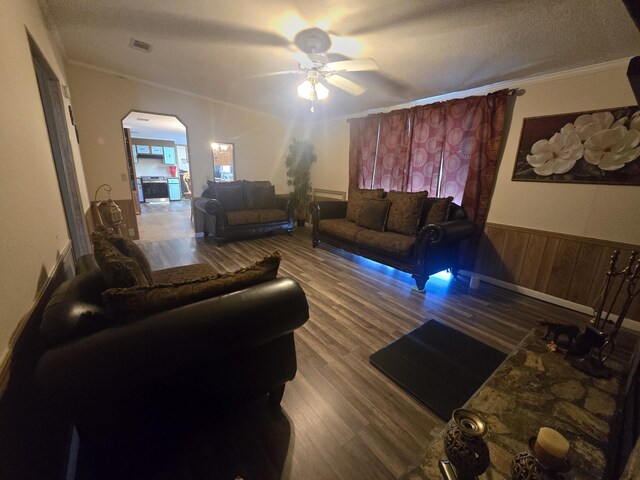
column 593, row 147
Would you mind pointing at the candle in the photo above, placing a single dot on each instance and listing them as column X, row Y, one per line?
column 551, row 447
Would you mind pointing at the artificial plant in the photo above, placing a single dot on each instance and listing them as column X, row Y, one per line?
column 298, row 163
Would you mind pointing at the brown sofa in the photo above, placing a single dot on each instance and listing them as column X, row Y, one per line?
column 408, row 231
column 134, row 352
column 242, row 209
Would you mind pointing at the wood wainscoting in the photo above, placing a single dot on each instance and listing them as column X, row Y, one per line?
column 564, row 266
column 129, row 227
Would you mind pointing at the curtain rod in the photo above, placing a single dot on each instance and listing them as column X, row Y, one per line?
column 505, row 91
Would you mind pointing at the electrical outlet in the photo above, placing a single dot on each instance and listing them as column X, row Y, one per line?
column 132, row 232
column 123, row 177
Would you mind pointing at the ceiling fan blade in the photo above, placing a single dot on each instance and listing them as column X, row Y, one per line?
column 318, row 57
column 359, row 65
column 273, row 74
column 303, row 60
column 345, row 84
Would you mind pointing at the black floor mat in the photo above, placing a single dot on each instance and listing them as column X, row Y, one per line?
column 438, row 365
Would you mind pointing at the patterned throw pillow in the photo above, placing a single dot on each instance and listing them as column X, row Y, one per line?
column 145, row 300
column 118, row 270
column 436, row 210
column 406, row 211
column 231, row 197
column 373, row 214
column 130, row 249
column 261, row 195
column 356, row 197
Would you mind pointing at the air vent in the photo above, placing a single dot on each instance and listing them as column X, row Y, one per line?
column 140, row 45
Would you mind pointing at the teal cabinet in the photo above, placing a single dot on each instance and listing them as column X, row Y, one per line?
column 144, row 149
column 169, row 155
column 156, row 150
column 174, row 188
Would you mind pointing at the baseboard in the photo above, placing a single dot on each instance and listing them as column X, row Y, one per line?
column 629, row 323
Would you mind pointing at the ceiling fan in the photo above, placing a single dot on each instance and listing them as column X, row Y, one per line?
column 319, row 71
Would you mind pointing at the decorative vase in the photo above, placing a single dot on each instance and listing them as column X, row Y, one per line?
column 464, row 446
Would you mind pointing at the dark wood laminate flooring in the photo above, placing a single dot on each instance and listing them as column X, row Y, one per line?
column 341, row 418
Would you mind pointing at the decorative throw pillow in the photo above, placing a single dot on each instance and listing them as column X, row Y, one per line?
column 436, row 210
column 356, row 197
column 230, row 196
column 143, row 300
column 261, row 195
column 130, row 249
column 405, row 212
column 373, row 214
column 118, row 270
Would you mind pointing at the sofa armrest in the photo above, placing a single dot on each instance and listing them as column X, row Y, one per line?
column 285, row 202
column 446, row 233
column 159, row 347
column 324, row 209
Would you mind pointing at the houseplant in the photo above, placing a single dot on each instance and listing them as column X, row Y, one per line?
column 298, row 163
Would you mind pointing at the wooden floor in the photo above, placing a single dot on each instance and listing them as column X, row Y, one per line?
column 341, row 418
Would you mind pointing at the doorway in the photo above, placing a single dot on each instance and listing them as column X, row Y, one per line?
column 55, row 117
column 158, row 156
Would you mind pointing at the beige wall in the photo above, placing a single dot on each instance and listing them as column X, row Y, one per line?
column 331, row 142
column 594, row 211
column 34, row 231
column 101, row 100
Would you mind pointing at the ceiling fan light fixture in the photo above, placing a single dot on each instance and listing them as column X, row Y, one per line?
column 305, row 90
column 322, row 92
column 311, row 89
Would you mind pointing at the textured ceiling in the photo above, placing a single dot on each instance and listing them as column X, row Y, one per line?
column 424, row 47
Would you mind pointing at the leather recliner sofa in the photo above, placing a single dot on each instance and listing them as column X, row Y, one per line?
column 110, row 375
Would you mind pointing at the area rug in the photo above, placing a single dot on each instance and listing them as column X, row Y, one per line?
column 440, row 366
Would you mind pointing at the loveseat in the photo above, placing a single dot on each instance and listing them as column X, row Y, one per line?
column 114, row 366
column 408, row 231
column 241, row 209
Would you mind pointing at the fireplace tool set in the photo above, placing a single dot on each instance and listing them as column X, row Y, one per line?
column 595, row 345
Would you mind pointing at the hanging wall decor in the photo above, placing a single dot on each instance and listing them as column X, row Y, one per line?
column 588, row 147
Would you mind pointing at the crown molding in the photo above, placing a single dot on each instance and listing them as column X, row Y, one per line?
column 126, row 76
column 515, row 83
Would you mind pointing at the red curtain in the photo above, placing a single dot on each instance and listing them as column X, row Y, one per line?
column 481, row 145
column 392, row 160
column 363, row 141
column 427, row 138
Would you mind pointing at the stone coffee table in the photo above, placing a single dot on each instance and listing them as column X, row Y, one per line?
column 536, row 388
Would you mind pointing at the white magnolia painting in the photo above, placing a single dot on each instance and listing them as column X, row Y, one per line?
column 590, row 147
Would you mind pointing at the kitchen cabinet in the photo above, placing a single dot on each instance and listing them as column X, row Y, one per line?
column 174, row 188
column 144, row 149
column 135, row 155
column 156, row 150
column 169, row 155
